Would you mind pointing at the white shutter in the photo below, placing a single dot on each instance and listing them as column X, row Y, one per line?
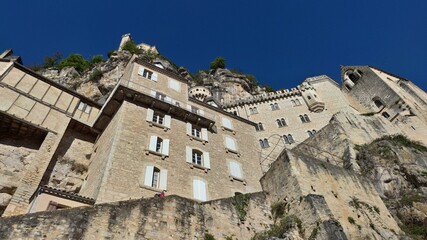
column 168, row 99
column 201, row 112
column 235, row 169
column 150, row 114
column 148, row 180
column 230, row 144
column 154, row 77
column 199, row 190
column 168, row 121
column 163, row 179
column 153, row 143
column 189, row 108
column 141, row 71
column 206, row 160
column 189, row 127
column 205, row 134
column 153, row 93
column 188, row 154
column 165, row 147
column 227, row 123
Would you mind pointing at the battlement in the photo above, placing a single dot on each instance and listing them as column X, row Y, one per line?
column 284, row 93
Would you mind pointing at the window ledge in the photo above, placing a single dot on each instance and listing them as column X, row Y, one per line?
column 228, row 129
column 147, row 152
column 192, row 165
column 232, row 151
column 151, row 123
column 232, row 178
column 152, row 188
column 197, row 139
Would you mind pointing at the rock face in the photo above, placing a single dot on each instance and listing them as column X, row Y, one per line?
column 373, row 148
column 95, row 83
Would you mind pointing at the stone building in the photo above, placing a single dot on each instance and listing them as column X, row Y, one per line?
column 156, row 133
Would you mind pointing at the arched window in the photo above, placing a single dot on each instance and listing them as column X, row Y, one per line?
column 285, row 139
column 266, row 144
column 291, row 139
column 293, row 102
column 261, row 143
column 255, row 110
column 307, row 119
column 313, row 131
column 281, row 122
column 301, row 117
column 310, row 134
column 259, row 127
column 297, row 102
column 378, row 103
column 274, row 106
column 251, row 111
column 197, row 157
column 156, row 178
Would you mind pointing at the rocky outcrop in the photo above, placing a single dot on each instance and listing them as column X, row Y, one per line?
column 375, row 149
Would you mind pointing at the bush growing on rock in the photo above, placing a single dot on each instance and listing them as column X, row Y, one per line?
column 75, row 60
column 219, row 62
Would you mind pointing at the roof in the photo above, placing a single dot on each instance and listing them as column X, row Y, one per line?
column 53, row 83
column 160, row 70
column 62, row 194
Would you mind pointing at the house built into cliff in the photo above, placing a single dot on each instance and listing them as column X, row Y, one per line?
column 156, row 133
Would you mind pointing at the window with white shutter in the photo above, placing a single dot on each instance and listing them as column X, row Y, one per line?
column 198, row 158
column 158, row 119
column 197, row 133
column 155, row 178
column 175, row 85
column 199, row 190
column 158, row 146
column 226, row 123
column 230, row 144
column 235, row 170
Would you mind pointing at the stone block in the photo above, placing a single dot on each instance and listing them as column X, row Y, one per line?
column 39, row 90
column 52, row 95
column 13, row 77
column 27, row 83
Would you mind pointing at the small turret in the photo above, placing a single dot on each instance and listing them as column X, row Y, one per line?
column 309, row 94
column 200, row 93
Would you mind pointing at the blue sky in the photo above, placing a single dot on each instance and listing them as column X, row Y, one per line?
column 280, row 42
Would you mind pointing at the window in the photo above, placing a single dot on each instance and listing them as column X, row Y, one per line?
column 386, row 115
column 297, row 102
column 147, row 74
column 175, row 85
column 230, row 144
column 281, row 122
column 310, row 133
column 84, row 107
column 196, row 132
column 158, row 119
column 293, row 102
column 235, row 170
column 159, row 146
column 288, row 139
column 259, row 127
column 253, row 110
column 195, row 110
column 160, row 96
column 264, row 143
column 227, row 124
column 199, row 190
column 304, row 118
column 274, row 106
column 155, row 178
column 198, row 158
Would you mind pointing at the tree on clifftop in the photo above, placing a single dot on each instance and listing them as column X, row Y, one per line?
column 219, row 62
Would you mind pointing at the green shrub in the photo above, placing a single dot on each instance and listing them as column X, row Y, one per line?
column 97, row 59
column 209, row 236
column 95, row 75
column 278, row 210
column 75, row 60
column 241, row 203
column 409, row 198
column 218, row 62
column 131, row 47
column 351, row 220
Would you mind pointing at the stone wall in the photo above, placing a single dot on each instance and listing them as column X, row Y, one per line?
column 170, row 217
column 321, row 194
